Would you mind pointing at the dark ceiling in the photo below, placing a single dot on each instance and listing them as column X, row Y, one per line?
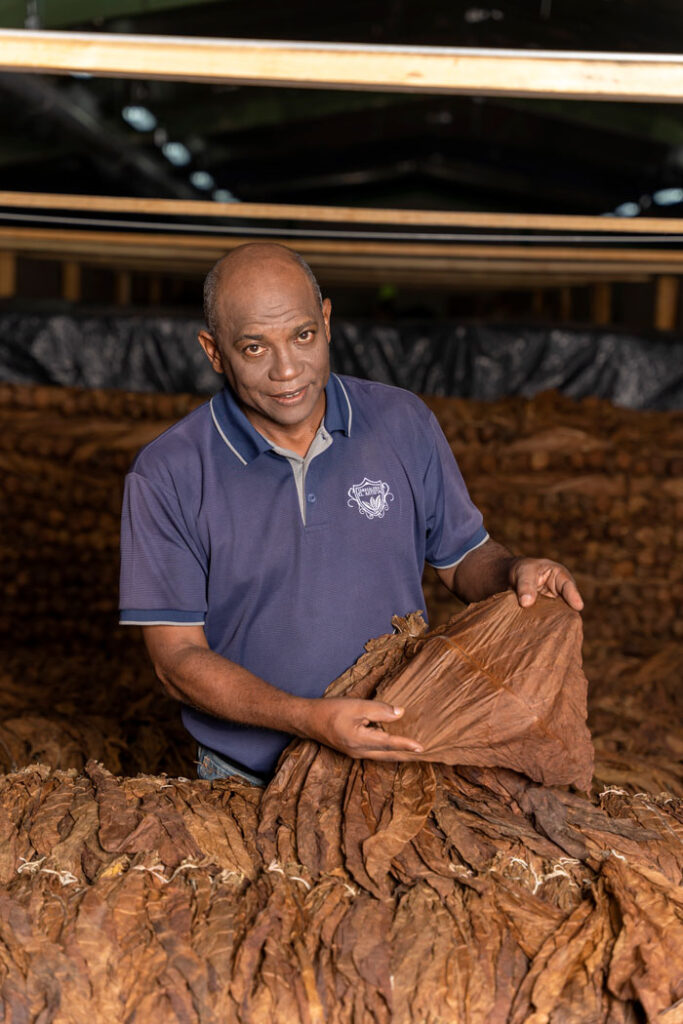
column 67, row 134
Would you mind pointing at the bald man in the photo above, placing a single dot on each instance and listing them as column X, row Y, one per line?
column 269, row 534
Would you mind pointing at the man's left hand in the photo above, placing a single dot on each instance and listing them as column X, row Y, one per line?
column 530, row 577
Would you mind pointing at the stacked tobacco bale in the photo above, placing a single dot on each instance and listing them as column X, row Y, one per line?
column 352, row 891
column 63, row 456
column 62, row 707
column 597, row 487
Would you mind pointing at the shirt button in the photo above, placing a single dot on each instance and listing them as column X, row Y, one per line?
column 310, row 498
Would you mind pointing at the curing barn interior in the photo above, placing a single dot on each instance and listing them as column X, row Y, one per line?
column 491, row 198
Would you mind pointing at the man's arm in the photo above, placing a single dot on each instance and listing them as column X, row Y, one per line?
column 196, row 675
column 491, row 568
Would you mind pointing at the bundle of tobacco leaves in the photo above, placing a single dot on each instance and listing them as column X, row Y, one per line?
column 502, row 686
column 350, row 891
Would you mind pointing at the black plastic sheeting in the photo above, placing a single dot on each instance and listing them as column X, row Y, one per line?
column 137, row 353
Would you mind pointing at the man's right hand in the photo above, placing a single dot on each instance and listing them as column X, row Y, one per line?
column 192, row 673
column 351, row 726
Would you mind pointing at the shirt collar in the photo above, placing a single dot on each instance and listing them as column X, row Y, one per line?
column 245, row 442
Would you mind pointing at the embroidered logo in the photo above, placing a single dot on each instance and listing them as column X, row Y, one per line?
column 372, row 498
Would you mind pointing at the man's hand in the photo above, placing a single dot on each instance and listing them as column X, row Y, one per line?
column 491, row 568
column 350, row 725
column 530, row 577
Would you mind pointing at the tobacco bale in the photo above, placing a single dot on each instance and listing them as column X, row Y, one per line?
column 589, row 484
column 127, row 722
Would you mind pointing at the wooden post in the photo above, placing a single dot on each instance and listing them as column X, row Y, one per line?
column 601, row 303
column 124, row 288
column 8, row 275
column 565, row 304
column 71, row 281
column 666, row 302
column 154, row 282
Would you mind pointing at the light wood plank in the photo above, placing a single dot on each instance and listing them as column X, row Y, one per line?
column 666, row 303
column 210, row 247
column 601, row 304
column 8, row 274
column 201, row 251
column 71, row 281
column 344, row 214
column 555, row 74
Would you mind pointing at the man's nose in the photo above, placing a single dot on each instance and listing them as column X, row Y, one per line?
column 284, row 365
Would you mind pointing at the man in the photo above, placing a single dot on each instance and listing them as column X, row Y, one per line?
column 274, row 530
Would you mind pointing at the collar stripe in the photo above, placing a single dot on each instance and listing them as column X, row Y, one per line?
column 348, row 403
column 218, row 428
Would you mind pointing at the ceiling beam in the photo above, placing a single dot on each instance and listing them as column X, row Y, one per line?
column 343, row 214
column 436, row 258
column 596, row 76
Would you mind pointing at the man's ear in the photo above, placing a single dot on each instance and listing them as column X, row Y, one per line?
column 327, row 313
column 208, row 343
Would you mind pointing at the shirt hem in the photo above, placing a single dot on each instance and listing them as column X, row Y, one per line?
column 459, row 558
column 160, row 617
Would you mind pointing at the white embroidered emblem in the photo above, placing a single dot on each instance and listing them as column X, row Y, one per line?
column 372, row 498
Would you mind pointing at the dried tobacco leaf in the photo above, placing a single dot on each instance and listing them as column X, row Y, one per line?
column 502, row 686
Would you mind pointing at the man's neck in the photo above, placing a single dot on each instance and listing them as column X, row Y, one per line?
column 296, row 438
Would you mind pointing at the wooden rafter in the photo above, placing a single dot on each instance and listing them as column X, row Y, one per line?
column 342, row 214
column 556, row 74
column 201, row 250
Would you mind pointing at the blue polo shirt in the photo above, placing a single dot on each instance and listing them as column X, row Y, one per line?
column 214, row 533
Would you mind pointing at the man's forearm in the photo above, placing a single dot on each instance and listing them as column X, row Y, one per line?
column 485, row 571
column 211, row 683
column 491, row 568
column 196, row 675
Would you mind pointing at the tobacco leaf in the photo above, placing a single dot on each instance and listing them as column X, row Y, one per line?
column 502, row 686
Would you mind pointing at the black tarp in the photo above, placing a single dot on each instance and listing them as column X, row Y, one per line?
column 143, row 353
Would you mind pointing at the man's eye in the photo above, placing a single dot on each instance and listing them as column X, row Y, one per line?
column 306, row 335
column 252, row 349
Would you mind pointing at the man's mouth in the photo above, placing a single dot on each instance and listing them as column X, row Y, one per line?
column 290, row 397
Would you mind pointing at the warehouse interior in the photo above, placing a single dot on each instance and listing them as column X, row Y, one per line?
column 511, row 252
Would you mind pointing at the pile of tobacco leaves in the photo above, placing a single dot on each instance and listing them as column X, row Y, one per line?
column 354, row 891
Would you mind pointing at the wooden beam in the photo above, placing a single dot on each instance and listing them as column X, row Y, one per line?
column 124, row 287
column 565, row 302
column 167, row 250
column 666, row 302
column 456, row 276
column 601, row 303
column 71, row 281
column 343, row 214
column 597, row 76
column 8, row 274
column 212, row 246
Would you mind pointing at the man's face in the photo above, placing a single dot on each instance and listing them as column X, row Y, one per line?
column 272, row 344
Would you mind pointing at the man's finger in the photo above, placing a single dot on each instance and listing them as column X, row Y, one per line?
column 568, row 590
column 377, row 739
column 526, row 585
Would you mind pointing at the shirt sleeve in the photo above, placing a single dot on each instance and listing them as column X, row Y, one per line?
column 163, row 571
column 454, row 524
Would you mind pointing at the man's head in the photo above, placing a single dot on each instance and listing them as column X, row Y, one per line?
column 268, row 332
